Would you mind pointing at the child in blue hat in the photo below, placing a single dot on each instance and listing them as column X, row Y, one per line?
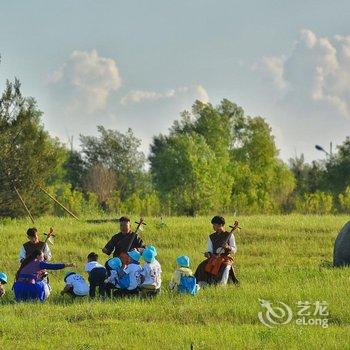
column 151, row 273
column 131, row 276
column 113, row 266
column 117, row 279
column 183, row 280
column 3, row 281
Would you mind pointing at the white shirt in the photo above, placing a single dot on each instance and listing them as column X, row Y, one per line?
column 231, row 242
column 134, row 272
column 152, row 273
column 114, row 278
column 46, row 251
column 80, row 287
column 91, row 265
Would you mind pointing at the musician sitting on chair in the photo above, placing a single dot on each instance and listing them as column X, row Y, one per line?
column 218, row 267
column 124, row 241
column 34, row 244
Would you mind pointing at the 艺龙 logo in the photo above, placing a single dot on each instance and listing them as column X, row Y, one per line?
column 274, row 315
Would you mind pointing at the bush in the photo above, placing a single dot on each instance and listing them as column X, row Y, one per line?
column 314, row 203
column 73, row 200
column 139, row 204
column 344, row 200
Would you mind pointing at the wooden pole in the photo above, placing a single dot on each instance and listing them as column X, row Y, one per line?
column 56, row 201
column 23, row 203
column 6, row 172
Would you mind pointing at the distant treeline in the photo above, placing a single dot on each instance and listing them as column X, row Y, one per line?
column 214, row 159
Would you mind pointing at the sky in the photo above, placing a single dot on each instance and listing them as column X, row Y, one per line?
column 139, row 64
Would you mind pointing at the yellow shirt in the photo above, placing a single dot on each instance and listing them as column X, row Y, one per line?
column 175, row 280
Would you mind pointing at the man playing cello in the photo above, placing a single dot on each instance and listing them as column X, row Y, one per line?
column 218, row 267
column 124, row 241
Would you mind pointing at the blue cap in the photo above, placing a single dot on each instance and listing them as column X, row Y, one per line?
column 3, row 277
column 183, row 261
column 149, row 255
column 152, row 247
column 114, row 263
column 134, row 255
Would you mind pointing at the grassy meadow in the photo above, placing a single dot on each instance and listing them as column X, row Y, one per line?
column 279, row 258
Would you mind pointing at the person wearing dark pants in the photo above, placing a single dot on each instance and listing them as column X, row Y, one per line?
column 97, row 275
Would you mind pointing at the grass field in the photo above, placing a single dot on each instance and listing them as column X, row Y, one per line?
column 279, row 258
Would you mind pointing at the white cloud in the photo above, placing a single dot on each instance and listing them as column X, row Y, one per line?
column 271, row 68
column 317, row 70
column 308, row 38
column 89, row 78
column 202, row 94
column 136, row 96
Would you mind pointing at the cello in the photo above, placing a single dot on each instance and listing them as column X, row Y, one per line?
column 215, row 261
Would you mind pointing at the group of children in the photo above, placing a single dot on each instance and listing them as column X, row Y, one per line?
column 114, row 279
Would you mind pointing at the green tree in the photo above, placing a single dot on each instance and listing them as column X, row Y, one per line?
column 75, row 169
column 185, row 173
column 337, row 169
column 252, row 178
column 118, row 152
column 262, row 182
column 28, row 154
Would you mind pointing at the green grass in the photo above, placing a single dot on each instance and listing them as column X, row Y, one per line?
column 280, row 258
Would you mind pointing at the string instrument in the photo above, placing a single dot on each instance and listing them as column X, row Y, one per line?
column 216, row 260
column 48, row 236
column 124, row 257
column 43, row 273
column 224, row 249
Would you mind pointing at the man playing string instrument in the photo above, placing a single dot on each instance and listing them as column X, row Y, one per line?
column 218, row 267
column 124, row 241
column 33, row 244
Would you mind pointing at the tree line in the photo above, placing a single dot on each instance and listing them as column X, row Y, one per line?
column 213, row 159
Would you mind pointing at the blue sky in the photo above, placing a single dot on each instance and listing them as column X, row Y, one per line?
column 138, row 64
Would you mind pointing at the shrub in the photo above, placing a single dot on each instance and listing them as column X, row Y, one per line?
column 314, row 203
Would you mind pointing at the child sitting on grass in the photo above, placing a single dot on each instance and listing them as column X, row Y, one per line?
column 97, row 275
column 76, row 285
column 183, row 280
column 117, row 279
column 151, row 273
column 131, row 275
column 3, row 281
